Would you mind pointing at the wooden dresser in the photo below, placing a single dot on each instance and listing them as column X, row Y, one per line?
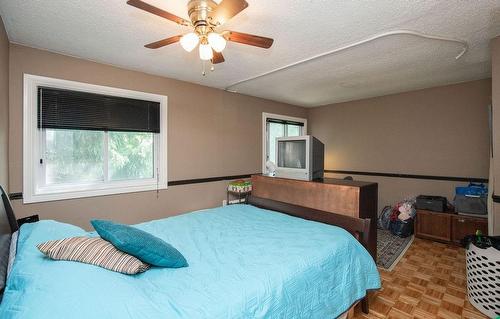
column 447, row 227
column 349, row 198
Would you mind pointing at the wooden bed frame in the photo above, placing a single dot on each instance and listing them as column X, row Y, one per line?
column 343, row 197
column 8, row 225
column 6, row 209
column 358, row 227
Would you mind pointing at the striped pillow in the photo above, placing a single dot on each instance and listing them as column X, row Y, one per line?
column 95, row 251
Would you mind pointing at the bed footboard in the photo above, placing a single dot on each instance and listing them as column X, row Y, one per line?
column 358, row 227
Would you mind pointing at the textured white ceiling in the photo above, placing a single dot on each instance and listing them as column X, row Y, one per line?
column 114, row 33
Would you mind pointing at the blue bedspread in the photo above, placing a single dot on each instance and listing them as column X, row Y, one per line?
column 244, row 262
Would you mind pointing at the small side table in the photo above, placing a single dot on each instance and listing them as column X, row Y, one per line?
column 239, row 189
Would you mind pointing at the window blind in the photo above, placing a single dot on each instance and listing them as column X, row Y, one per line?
column 270, row 120
column 66, row 109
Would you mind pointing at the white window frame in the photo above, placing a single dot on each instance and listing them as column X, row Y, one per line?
column 265, row 141
column 33, row 192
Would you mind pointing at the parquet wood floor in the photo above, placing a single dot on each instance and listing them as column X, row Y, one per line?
column 428, row 282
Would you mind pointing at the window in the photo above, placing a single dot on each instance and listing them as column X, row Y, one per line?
column 78, row 156
column 71, row 157
column 131, row 155
column 83, row 140
column 275, row 126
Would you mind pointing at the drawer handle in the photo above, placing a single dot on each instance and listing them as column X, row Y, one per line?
column 461, row 220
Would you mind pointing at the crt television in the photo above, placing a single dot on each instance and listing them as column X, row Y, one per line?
column 300, row 157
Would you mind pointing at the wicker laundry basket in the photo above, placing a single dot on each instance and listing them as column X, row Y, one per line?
column 483, row 279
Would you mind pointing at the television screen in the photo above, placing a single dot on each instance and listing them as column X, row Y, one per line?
column 292, row 154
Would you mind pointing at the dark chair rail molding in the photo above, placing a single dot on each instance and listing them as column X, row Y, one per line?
column 14, row 196
column 208, row 179
column 496, row 198
column 413, row 176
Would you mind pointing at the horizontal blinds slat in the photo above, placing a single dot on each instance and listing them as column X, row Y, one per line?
column 269, row 120
column 65, row 109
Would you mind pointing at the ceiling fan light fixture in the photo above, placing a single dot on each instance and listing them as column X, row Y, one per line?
column 205, row 17
column 189, row 41
column 206, row 52
column 216, row 41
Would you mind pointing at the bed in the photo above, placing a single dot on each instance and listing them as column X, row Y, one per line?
column 245, row 261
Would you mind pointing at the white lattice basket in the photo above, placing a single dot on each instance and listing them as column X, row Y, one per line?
column 483, row 279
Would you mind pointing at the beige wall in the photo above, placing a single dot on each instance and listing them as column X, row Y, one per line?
column 495, row 75
column 210, row 133
column 4, row 105
column 438, row 131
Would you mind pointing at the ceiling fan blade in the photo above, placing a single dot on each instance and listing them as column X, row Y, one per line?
column 218, row 57
column 157, row 11
column 164, row 42
column 228, row 9
column 248, row 39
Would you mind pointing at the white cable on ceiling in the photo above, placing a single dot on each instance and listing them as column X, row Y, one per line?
column 372, row 38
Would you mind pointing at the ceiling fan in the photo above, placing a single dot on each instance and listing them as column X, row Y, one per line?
column 206, row 16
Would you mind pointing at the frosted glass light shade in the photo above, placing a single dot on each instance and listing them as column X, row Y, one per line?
column 189, row 41
column 217, row 42
column 206, row 52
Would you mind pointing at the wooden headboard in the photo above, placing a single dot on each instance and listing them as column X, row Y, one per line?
column 8, row 222
column 353, row 199
column 8, row 225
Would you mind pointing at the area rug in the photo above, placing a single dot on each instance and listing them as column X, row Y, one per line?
column 390, row 249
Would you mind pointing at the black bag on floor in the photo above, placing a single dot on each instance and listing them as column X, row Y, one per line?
column 384, row 220
column 401, row 228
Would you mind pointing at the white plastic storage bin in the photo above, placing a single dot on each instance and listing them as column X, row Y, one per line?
column 483, row 279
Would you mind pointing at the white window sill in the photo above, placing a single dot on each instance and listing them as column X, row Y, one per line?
column 97, row 190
